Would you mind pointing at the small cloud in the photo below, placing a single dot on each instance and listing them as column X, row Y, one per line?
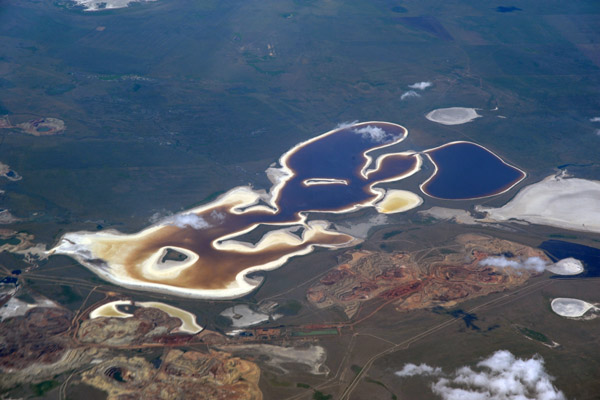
column 413, row 369
column 597, row 132
column 217, row 216
column 409, row 94
column 502, row 376
column 530, row 264
column 375, row 133
column 345, row 124
column 595, row 119
column 187, row 220
column 420, row 85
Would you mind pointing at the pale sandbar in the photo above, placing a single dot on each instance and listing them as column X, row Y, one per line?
column 110, row 310
column 452, row 115
column 396, row 201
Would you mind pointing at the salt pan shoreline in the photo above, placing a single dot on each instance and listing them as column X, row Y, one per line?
column 452, row 115
column 569, row 203
column 571, row 308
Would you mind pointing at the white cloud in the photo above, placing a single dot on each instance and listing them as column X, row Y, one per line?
column 216, row 215
column 597, row 132
column 423, row 369
column 595, row 119
column 531, row 264
column 409, row 94
column 420, row 85
column 499, row 377
column 346, row 124
column 374, row 133
column 185, row 220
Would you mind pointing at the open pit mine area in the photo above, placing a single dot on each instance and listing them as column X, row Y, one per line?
column 104, row 353
column 442, row 277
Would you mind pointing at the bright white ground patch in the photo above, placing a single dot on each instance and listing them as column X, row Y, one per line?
column 242, row 316
column 569, row 203
column 311, row 357
column 571, row 308
column 452, row 115
column 502, row 376
column 566, row 266
column 15, row 307
column 98, row 5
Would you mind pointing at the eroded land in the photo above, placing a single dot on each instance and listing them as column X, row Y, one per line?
column 181, row 375
column 412, row 283
column 40, row 342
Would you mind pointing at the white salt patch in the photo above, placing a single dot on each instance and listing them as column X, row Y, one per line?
column 15, row 307
column 566, row 266
column 243, row 316
column 452, row 115
column 569, row 203
column 570, row 308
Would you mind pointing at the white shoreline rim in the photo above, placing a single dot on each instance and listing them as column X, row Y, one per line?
column 436, row 170
column 188, row 322
column 248, row 198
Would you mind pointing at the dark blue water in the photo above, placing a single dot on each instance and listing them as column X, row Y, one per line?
column 468, row 171
column 339, row 156
column 589, row 256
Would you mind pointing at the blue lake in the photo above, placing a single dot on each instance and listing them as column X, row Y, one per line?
column 467, row 171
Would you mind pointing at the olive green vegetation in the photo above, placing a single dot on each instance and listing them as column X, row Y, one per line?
column 391, row 234
column 321, row 396
column 222, row 322
column 530, row 333
column 355, row 368
column 290, row 307
column 370, row 380
column 40, row 389
column 303, row 385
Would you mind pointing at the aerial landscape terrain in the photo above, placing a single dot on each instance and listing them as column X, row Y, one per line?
column 299, row 199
